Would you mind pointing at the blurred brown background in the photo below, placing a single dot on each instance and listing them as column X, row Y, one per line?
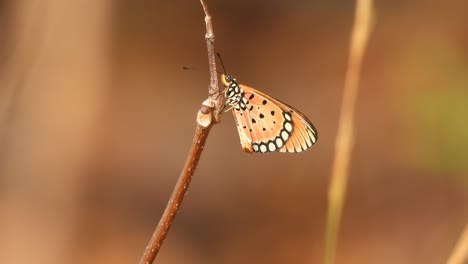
column 97, row 116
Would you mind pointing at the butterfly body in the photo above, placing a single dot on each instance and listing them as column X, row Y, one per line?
column 266, row 124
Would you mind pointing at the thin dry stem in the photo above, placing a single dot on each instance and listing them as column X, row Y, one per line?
column 177, row 196
column 213, row 90
column 460, row 252
column 209, row 108
column 344, row 138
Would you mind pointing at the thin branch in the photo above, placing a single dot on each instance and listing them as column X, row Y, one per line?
column 213, row 90
column 460, row 252
column 344, row 139
column 177, row 196
column 207, row 116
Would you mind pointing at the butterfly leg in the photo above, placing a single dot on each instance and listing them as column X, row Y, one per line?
column 224, row 106
column 228, row 108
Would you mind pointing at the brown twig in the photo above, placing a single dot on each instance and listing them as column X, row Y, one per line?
column 207, row 116
column 344, row 138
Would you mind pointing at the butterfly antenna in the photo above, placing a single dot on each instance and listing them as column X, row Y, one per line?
column 222, row 64
column 188, row 68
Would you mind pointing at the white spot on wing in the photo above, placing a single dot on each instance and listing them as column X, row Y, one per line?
column 284, row 136
column 263, row 148
column 288, row 126
column 279, row 142
column 255, row 147
column 287, row 116
column 271, row 146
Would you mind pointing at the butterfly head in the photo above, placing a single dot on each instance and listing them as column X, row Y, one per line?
column 227, row 79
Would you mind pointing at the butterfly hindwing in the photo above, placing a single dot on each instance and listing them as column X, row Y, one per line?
column 270, row 125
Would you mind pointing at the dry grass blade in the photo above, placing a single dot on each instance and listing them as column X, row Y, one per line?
column 344, row 139
column 460, row 252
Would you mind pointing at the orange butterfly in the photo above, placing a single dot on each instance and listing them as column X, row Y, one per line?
column 266, row 124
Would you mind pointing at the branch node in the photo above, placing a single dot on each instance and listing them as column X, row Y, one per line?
column 209, row 29
column 204, row 116
column 210, row 36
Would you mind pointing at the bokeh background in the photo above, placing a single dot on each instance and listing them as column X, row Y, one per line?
column 97, row 117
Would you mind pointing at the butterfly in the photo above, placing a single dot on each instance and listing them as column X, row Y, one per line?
column 266, row 124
